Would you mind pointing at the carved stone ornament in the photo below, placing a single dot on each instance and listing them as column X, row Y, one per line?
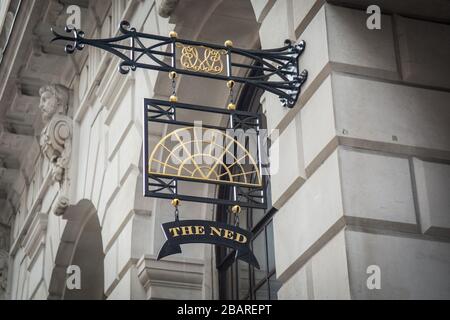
column 61, row 205
column 56, row 138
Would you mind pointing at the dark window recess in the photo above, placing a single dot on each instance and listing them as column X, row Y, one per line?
column 237, row 279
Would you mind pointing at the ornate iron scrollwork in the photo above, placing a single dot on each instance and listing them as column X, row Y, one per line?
column 279, row 68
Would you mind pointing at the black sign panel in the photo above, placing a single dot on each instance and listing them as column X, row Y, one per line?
column 239, row 160
column 201, row 231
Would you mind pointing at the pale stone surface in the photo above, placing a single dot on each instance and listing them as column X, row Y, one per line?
column 285, row 164
column 98, row 178
column 315, row 56
column 82, row 130
column 128, row 288
column 110, row 188
column 122, row 290
column 329, row 270
column 296, row 288
column 120, row 210
column 429, row 65
column 129, row 153
column 351, row 42
column 41, row 292
column 142, row 237
column 433, row 185
column 124, row 246
column 271, row 36
column 111, row 269
column 318, row 122
column 376, row 186
column 121, row 120
column 391, row 113
column 301, row 9
column 35, row 270
column 260, row 7
column 93, row 155
column 324, row 276
column 432, row 9
column 272, row 110
column 410, row 268
column 308, row 214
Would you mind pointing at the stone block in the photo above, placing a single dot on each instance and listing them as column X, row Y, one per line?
column 352, row 43
column 433, row 188
column 273, row 110
column 330, row 278
column 36, row 273
column 324, row 276
column 120, row 210
column 392, row 116
column 129, row 287
column 129, row 153
column 122, row 291
column 301, row 8
column 275, row 28
column 296, row 288
column 424, row 51
column 93, row 146
column 110, row 188
column 285, row 165
column 260, row 8
column 410, row 268
column 316, row 54
column 83, row 132
column 308, row 214
column 376, row 186
column 125, row 244
column 318, row 122
column 120, row 118
column 110, row 263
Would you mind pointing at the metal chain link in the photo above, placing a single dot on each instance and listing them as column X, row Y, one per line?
column 177, row 214
column 173, row 86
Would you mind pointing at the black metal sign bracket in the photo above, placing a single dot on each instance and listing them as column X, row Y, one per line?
column 277, row 70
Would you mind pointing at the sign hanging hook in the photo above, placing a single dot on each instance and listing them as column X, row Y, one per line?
column 236, row 209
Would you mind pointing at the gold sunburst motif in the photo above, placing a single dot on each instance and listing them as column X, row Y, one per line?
column 210, row 62
column 203, row 156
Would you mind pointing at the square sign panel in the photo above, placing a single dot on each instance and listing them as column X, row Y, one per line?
column 221, row 147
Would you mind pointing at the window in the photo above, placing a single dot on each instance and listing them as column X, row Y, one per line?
column 237, row 279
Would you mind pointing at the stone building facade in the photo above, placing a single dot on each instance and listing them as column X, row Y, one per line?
column 363, row 178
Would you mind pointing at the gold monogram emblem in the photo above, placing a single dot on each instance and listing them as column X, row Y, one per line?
column 211, row 62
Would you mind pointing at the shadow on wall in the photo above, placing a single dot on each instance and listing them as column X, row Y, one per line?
column 81, row 246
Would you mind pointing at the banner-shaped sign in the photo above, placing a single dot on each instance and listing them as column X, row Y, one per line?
column 200, row 231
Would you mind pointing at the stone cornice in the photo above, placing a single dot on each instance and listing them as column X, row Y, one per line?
column 184, row 274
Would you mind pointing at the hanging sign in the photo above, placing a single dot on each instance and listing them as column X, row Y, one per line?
column 209, row 154
column 200, row 231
